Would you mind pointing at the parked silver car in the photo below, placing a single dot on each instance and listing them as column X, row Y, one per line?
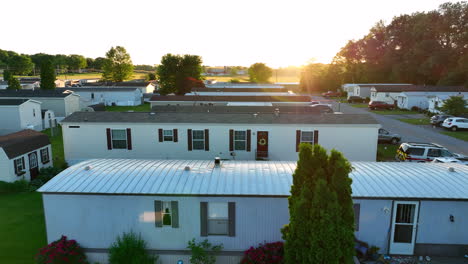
column 437, row 120
column 387, row 137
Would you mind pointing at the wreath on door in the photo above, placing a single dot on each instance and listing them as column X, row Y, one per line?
column 262, row 142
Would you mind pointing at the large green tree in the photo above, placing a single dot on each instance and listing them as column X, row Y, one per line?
column 20, row 64
column 260, row 73
column 321, row 228
column 179, row 73
column 118, row 65
column 47, row 75
column 76, row 62
column 455, row 105
column 7, row 75
column 14, row 84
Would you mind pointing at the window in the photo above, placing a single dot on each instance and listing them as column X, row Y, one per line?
column 198, row 139
column 119, row 138
column 168, row 135
column 92, row 95
column 218, row 219
column 240, row 140
column 415, row 151
column 307, row 137
column 167, row 214
column 45, row 155
column 34, row 112
column 433, row 153
column 387, row 94
column 19, row 166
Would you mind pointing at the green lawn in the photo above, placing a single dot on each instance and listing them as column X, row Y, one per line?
column 386, row 152
column 57, row 147
column 146, row 107
column 22, row 227
column 394, row 112
column 463, row 135
column 416, row 121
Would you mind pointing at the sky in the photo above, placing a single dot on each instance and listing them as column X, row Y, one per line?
column 242, row 32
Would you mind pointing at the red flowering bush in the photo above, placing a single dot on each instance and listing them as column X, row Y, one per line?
column 269, row 253
column 61, row 251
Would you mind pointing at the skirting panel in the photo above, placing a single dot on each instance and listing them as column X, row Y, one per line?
column 446, row 250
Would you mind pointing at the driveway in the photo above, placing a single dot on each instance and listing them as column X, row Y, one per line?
column 409, row 133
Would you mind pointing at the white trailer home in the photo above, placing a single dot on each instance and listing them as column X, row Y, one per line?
column 219, row 85
column 240, row 92
column 22, row 154
column 420, row 96
column 403, row 209
column 225, row 100
column 107, row 95
column 19, row 114
column 62, row 103
column 201, row 135
column 143, row 86
column 364, row 89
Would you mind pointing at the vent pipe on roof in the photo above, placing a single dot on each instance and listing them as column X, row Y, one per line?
column 217, row 161
column 88, row 168
column 187, row 168
column 152, row 113
column 451, row 169
column 255, row 114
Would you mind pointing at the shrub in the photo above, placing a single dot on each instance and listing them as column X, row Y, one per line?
column 265, row 254
column 45, row 174
column 200, row 254
column 130, row 249
column 235, row 80
column 415, row 108
column 16, row 186
column 61, row 251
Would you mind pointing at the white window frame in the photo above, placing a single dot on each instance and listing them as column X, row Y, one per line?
column 198, row 140
column 46, row 151
column 240, row 140
column 17, row 162
column 166, row 205
column 171, row 134
column 307, row 141
column 112, row 138
column 219, row 218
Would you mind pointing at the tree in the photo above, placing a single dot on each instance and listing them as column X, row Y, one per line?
column 47, row 75
column 455, row 105
column 7, row 75
column 76, row 62
column 150, row 76
column 321, row 228
column 14, row 84
column 20, row 64
column 179, row 74
column 118, row 65
column 260, row 73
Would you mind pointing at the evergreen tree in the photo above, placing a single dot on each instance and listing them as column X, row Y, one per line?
column 455, row 105
column 47, row 75
column 14, row 84
column 7, row 75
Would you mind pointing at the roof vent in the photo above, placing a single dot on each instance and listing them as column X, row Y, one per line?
column 87, row 168
column 187, row 168
column 217, row 161
column 152, row 113
column 451, row 169
column 255, row 114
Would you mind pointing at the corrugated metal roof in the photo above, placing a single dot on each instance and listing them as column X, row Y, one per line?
column 253, row 178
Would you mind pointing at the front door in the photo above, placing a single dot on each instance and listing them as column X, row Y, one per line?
column 33, row 167
column 262, row 144
column 404, row 225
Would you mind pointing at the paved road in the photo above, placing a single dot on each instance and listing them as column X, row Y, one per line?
column 409, row 132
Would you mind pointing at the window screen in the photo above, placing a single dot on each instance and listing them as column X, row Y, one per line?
column 240, row 140
column 119, row 138
column 198, row 139
column 218, row 219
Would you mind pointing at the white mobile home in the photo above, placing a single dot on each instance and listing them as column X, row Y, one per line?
column 201, row 135
column 400, row 208
column 108, row 95
column 143, row 86
column 19, row 114
column 364, row 89
column 22, row 154
column 420, row 99
column 219, row 85
column 48, row 118
column 62, row 103
column 240, row 92
column 225, row 100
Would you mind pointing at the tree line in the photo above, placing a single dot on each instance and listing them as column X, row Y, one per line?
column 426, row 48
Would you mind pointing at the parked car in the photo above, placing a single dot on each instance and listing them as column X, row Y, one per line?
column 331, row 94
column 321, row 103
column 455, row 123
column 385, row 136
column 322, row 108
column 356, row 99
column 451, row 160
column 423, row 152
column 437, row 120
column 373, row 105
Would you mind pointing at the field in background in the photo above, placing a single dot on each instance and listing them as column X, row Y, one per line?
column 245, row 78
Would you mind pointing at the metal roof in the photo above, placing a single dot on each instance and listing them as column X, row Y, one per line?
column 253, row 178
column 12, row 101
column 98, row 89
column 214, row 98
column 33, row 93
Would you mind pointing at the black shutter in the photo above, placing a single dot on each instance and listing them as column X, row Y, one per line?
column 158, row 214
column 232, row 218
column 15, row 162
column 203, row 219
column 315, row 136
column 175, row 214
column 176, row 137
column 160, row 133
column 248, row 139
column 24, row 164
column 231, row 140
column 357, row 211
column 298, row 139
column 129, row 139
column 207, row 140
column 189, row 139
column 109, row 139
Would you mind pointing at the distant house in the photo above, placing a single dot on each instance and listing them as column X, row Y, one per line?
column 401, row 208
column 3, row 85
column 240, row 92
column 19, row 114
column 363, row 90
column 205, row 135
column 22, row 154
column 219, row 85
column 48, row 118
column 63, row 104
column 225, row 100
column 143, row 86
column 421, row 95
column 107, row 95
